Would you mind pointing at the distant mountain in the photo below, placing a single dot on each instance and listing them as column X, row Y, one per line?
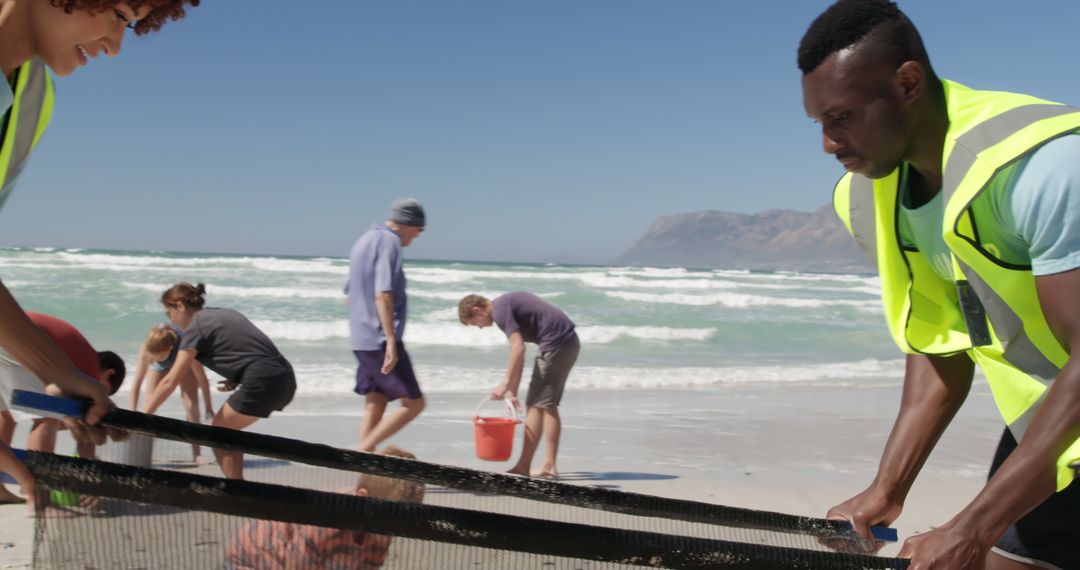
column 770, row 240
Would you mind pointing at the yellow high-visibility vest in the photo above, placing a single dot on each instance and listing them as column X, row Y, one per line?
column 25, row 121
column 991, row 309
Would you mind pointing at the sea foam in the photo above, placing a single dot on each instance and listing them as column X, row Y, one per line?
column 734, row 300
column 334, row 378
column 456, row 334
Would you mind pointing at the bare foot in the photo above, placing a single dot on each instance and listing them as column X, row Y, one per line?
column 546, row 474
column 516, row 471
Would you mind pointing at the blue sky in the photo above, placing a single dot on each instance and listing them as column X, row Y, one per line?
column 552, row 130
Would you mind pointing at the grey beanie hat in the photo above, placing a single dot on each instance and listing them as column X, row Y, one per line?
column 407, row 212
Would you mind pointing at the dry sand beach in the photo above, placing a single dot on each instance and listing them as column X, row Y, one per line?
column 797, row 450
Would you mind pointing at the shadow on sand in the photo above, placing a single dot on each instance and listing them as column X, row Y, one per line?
column 613, row 476
column 581, row 476
column 253, row 463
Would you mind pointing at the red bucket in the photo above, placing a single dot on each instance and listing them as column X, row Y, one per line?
column 495, row 436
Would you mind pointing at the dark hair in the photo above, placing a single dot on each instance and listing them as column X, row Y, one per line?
column 161, row 11
column 192, row 296
column 847, row 22
column 109, row 360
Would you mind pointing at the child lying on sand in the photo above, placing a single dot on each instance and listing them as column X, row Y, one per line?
column 275, row 545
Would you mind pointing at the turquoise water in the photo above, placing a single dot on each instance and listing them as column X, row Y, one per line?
column 641, row 328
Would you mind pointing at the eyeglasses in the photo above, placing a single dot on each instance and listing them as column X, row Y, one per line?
column 129, row 23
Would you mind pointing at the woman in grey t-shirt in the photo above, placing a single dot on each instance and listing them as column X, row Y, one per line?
column 226, row 342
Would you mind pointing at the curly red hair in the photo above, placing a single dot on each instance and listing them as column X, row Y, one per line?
column 161, row 11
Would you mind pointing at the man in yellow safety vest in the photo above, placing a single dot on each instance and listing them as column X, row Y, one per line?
column 969, row 201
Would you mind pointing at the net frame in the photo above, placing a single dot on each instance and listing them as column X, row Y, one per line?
column 668, row 550
column 426, row 522
column 616, row 501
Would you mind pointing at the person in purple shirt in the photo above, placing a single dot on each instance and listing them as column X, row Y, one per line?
column 524, row 317
column 377, row 309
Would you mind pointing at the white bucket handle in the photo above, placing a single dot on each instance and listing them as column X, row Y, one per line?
column 509, row 406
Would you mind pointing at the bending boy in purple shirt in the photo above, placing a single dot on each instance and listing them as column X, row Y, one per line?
column 524, row 317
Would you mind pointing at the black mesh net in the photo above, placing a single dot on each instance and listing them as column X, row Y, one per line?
column 297, row 509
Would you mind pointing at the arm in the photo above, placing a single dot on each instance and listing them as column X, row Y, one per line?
column 36, row 352
column 204, row 386
column 166, row 385
column 514, row 367
column 384, row 304
column 140, row 372
column 934, row 389
column 1028, row 477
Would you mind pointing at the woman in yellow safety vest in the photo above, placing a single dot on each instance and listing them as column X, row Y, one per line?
column 37, row 36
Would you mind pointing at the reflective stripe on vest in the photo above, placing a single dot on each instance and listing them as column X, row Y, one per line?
column 1018, row 349
column 988, row 134
column 862, row 216
column 26, row 120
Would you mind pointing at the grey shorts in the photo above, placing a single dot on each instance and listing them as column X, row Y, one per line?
column 549, row 375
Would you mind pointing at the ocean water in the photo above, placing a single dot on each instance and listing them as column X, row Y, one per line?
column 641, row 328
column 691, row 383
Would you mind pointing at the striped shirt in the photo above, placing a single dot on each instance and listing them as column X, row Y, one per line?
column 275, row 545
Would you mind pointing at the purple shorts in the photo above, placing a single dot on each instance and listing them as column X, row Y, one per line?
column 399, row 383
